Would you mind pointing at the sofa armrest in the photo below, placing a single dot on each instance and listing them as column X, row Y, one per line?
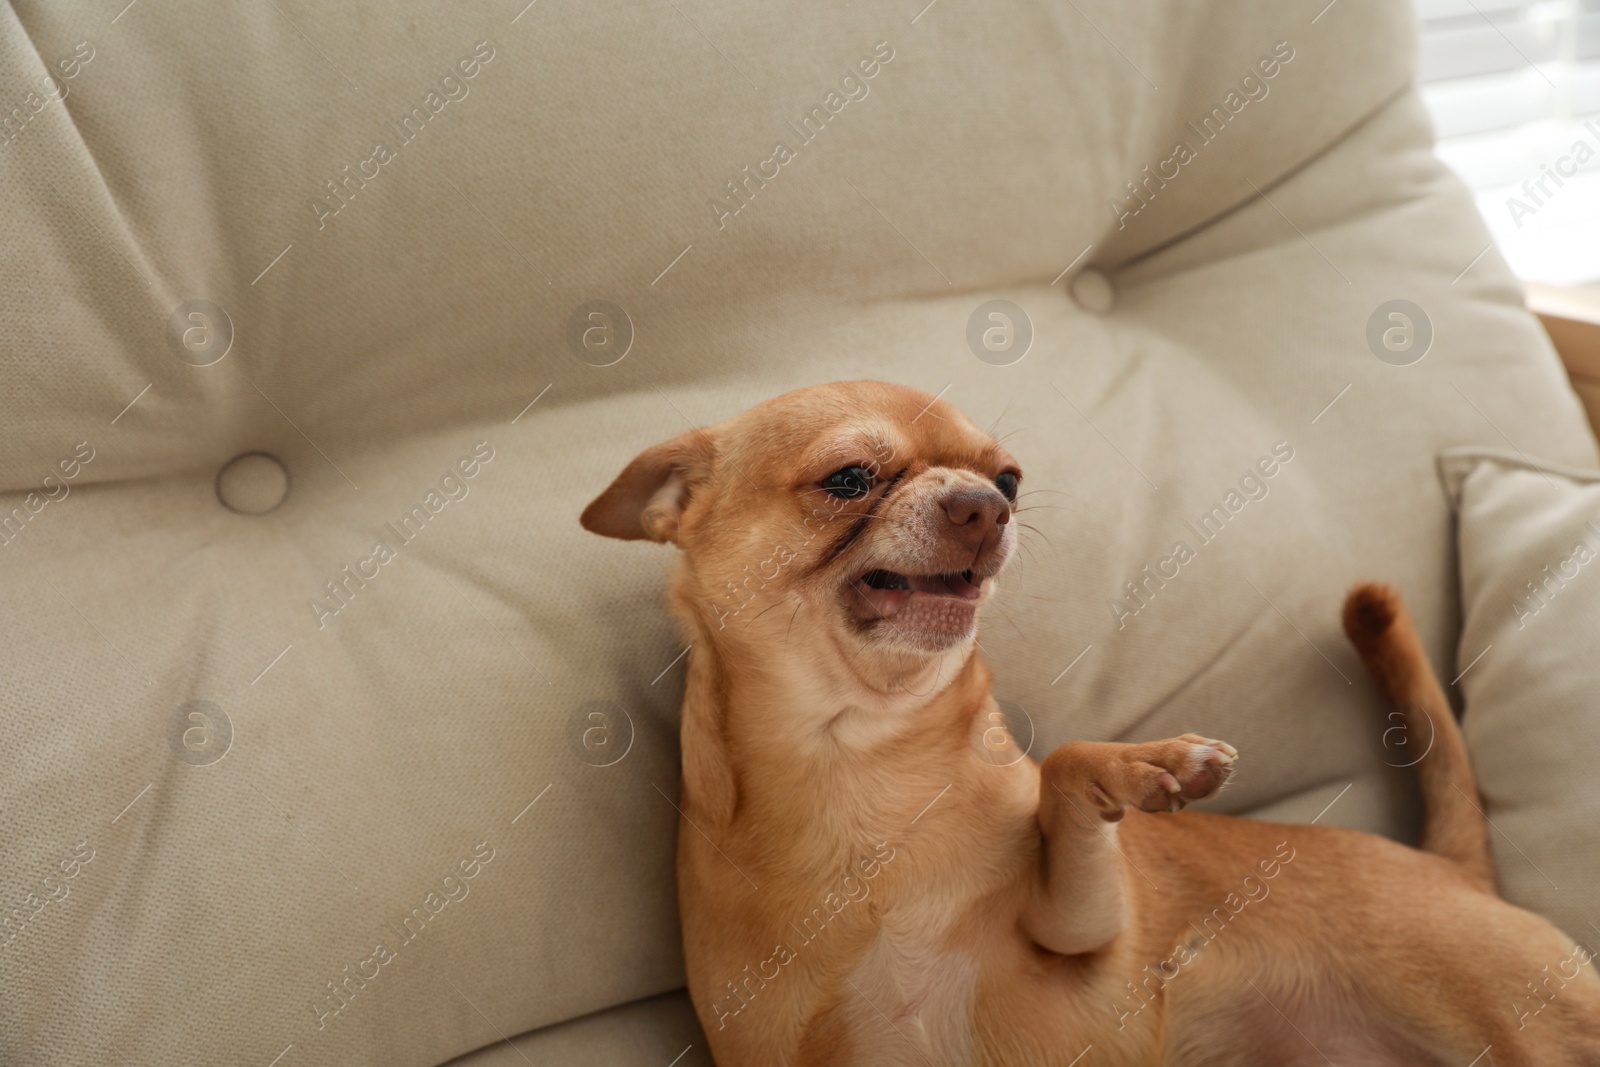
column 1571, row 316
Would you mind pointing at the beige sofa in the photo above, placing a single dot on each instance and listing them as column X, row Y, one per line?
column 331, row 738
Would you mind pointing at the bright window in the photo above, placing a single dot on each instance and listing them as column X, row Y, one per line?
column 1514, row 90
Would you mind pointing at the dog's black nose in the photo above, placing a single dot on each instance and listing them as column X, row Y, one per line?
column 975, row 513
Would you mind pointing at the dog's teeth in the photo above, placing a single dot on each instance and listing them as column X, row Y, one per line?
column 882, row 579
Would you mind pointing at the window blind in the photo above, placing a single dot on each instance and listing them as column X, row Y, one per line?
column 1514, row 92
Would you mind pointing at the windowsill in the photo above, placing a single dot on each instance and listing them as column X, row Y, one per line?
column 1571, row 316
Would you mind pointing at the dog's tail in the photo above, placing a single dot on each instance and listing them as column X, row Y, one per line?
column 1454, row 825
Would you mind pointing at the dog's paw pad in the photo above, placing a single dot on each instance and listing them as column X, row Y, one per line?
column 1158, row 776
column 1211, row 748
column 1210, row 765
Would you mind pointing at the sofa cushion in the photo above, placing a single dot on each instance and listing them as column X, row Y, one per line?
column 364, row 751
column 1528, row 533
column 657, row 1030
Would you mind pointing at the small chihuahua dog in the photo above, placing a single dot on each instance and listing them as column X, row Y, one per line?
column 871, row 872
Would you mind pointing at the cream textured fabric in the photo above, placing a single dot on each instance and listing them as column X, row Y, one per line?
column 250, row 813
column 1529, row 537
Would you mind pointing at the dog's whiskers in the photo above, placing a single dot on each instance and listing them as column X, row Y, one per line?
column 998, row 419
column 766, row 609
column 1041, row 533
column 1016, row 593
column 1006, row 615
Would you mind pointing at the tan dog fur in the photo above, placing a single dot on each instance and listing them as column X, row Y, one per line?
column 862, row 881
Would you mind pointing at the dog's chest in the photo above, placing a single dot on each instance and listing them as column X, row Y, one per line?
column 911, row 1003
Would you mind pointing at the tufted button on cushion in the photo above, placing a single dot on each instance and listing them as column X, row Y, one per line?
column 1092, row 290
column 253, row 483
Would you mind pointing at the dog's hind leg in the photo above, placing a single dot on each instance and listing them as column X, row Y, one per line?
column 1454, row 825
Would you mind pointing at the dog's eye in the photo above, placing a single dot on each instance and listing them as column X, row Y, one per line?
column 1006, row 482
column 849, row 483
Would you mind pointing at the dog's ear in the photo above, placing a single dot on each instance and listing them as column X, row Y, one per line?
column 648, row 497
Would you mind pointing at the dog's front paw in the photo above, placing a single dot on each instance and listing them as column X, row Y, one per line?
column 1162, row 775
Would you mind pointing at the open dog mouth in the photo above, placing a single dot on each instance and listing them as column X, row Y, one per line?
column 887, row 592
